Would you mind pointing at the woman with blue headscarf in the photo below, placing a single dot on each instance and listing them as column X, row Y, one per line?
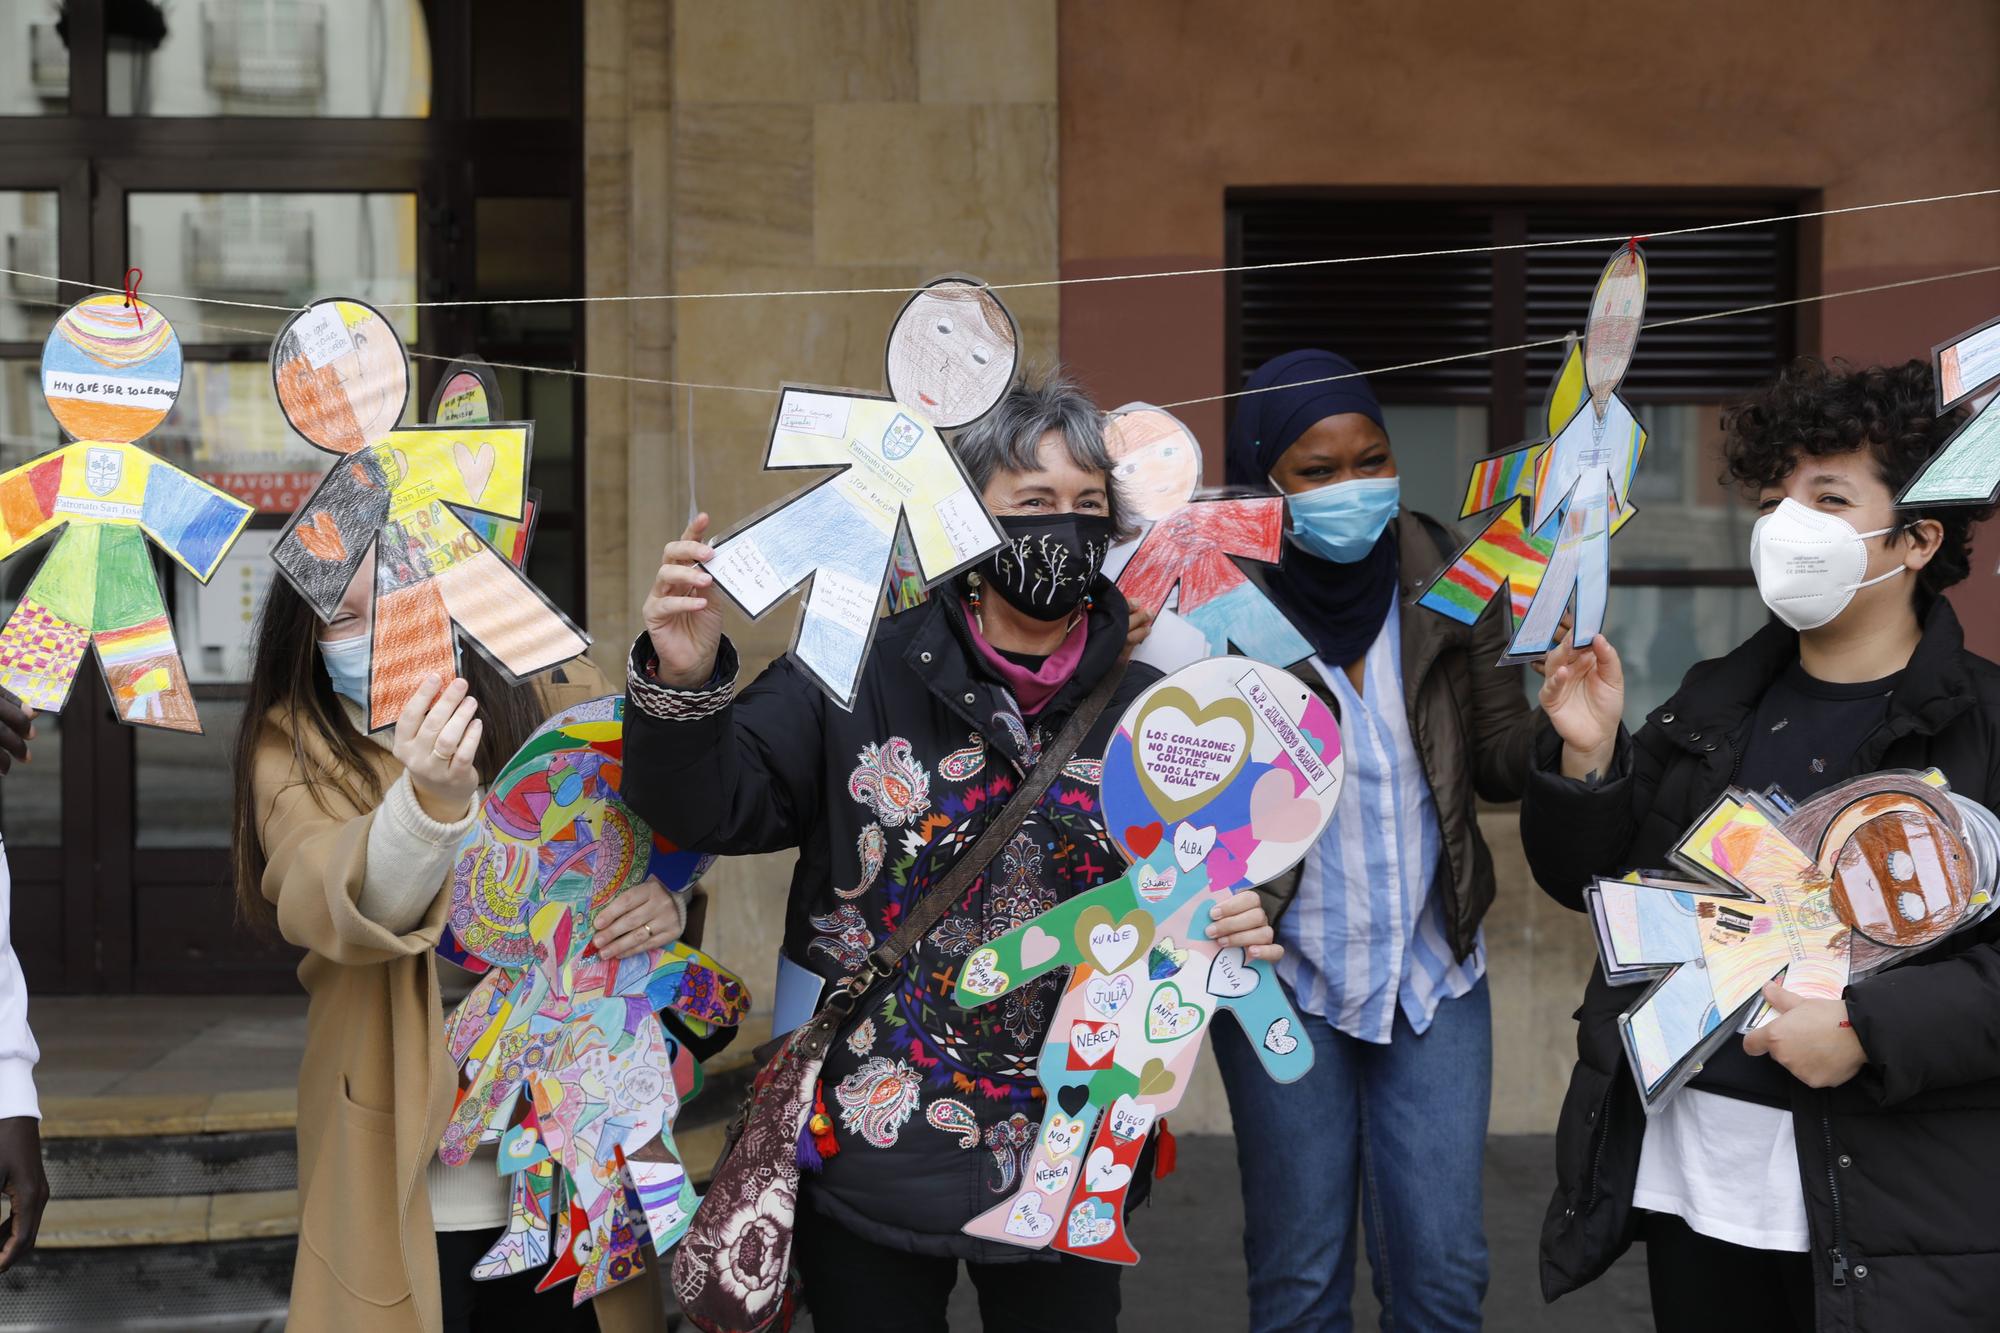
column 1384, row 959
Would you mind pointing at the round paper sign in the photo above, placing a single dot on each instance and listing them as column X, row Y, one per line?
column 1235, row 761
column 111, row 371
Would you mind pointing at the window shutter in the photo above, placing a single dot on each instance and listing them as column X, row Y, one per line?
column 1378, row 314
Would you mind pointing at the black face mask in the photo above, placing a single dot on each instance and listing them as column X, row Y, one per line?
column 1048, row 563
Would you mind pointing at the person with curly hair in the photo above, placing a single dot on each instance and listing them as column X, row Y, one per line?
column 1833, row 1169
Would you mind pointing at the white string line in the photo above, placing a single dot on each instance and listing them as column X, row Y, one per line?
column 1063, row 282
column 1551, row 342
column 1185, row 402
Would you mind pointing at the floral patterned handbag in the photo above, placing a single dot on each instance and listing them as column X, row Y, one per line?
column 733, row 1269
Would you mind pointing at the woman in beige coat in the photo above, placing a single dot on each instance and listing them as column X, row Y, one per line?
column 345, row 842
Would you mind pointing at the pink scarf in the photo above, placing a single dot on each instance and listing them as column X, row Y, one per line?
column 1032, row 689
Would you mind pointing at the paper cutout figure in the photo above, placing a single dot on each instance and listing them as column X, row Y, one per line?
column 468, row 394
column 1190, row 545
column 110, row 373
column 1560, row 499
column 575, row 1065
column 342, row 378
column 1219, row 777
column 946, row 356
column 1861, row 876
column 1966, row 468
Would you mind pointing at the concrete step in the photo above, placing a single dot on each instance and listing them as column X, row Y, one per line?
column 235, row 1285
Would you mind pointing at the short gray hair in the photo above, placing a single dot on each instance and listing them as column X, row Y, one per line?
column 1009, row 438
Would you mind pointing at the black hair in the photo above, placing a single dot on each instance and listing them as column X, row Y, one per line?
column 1816, row 409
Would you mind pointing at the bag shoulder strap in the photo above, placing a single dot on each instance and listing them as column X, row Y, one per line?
column 889, row 955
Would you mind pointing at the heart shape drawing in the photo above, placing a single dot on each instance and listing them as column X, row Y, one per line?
column 322, row 538
column 1028, row 1219
column 1141, row 839
column 1169, row 1016
column 1110, row 945
column 1073, row 1098
column 1090, row 1224
column 1037, row 946
column 982, row 976
column 1187, row 753
column 1107, row 995
column 1154, row 885
column 1155, row 1080
column 474, row 466
column 1053, row 1177
column 1278, row 1038
column 1091, row 1044
column 1103, row 1173
column 1230, row 974
column 1062, row 1136
column 1192, row 845
column 1165, row 960
column 1131, row 1119
column 1278, row 816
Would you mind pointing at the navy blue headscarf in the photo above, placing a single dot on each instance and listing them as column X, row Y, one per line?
column 1338, row 607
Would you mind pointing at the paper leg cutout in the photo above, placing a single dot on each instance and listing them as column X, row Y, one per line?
column 1030, row 1216
column 1247, row 618
column 1503, row 553
column 506, row 615
column 412, row 639
column 525, row 1243
column 39, row 654
column 1537, row 631
column 135, row 640
column 1095, row 1224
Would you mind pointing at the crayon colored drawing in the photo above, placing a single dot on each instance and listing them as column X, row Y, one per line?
column 575, row 1065
column 114, row 369
column 410, row 496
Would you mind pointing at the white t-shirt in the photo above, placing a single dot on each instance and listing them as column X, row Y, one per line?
column 1728, row 1168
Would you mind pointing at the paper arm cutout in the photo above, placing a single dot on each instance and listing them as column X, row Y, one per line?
column 112, row 371
column 1966, row 467
column 839, row 534
column 342, row 377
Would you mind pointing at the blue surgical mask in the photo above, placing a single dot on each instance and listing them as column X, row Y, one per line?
column 1342, row 522
column 346, row 662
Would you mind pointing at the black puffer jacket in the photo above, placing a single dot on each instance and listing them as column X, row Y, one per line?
column 934, row 1107
column 1901, row 1165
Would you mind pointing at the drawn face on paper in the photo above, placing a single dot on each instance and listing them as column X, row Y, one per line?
column 952, row 353
column 341, row 376
column 1158, row 461
column 103, row 469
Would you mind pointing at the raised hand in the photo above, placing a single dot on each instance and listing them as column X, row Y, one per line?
column 683, row 622
column 436, row 739
column 1583, row 693
column 24, row 1184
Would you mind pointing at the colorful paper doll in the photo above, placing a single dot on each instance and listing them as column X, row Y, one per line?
column 110, row 373
column 1219, row 777
column 951, row 355
column 1191, row 545
column 343, row 378
column 1862, row 875
column 1966, row 468
column 573, row 1064
column 1562, row 498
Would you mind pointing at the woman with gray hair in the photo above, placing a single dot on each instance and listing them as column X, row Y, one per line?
column 925, row 1112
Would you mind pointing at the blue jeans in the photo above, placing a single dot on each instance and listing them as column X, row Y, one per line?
column 1399, row 1130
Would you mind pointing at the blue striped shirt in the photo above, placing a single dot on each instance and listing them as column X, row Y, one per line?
column 1365, row 933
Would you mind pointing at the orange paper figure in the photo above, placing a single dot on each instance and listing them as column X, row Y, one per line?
column 110, row 372
column 1190, row 545
column 342, row 378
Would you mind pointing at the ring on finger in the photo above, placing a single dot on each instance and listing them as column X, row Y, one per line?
column 649, row 931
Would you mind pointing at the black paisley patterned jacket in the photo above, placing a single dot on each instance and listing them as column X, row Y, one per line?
column 934, row 1107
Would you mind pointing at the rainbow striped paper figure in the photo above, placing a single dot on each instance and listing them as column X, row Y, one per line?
column 1554, row 503
column 110, row 373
